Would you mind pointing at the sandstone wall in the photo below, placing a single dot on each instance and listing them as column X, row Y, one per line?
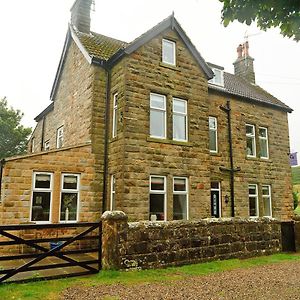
column 159, row 244
column 16, row 189
column 72, row 103
column 145, row 156
column 274, row 171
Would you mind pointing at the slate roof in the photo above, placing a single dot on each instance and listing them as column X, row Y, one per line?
column 103, row 48
column 100, row 46
column 237, row 86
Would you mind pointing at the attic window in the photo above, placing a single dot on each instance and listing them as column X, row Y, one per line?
column 218, row 79
column 168, row 52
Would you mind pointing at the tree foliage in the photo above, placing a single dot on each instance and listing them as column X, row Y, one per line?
column 13, row 135
column 296, row 199
column 284, row 14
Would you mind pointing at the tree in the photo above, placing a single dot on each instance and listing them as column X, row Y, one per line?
column 284, row 14
column 296, row 200
column 13, row 135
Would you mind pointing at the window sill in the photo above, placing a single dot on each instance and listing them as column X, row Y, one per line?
column 214, row 153
column 171, row 142
column 267, row 160
column 165, row 65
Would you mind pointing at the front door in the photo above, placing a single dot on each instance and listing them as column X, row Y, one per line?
column 215, row 199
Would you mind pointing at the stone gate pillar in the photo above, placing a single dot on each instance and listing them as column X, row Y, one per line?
column 114, row 225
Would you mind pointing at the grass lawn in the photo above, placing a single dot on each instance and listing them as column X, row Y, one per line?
column 297, row 210
column 49, row 290
column 296, row 175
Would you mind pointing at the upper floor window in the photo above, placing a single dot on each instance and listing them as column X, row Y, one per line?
column 213, row 135
column 59, row 137
column 218, row 78
column 157, row 116
column 115, row 116
column 32, row 144
column 180, row 120
column 263, row 142
column 69, row 197
column 168, row 52
column 47, row 145
column 250, row 137
column 41, row 197
column 253, row 200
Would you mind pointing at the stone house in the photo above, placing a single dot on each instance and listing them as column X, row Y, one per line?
column 152, row 129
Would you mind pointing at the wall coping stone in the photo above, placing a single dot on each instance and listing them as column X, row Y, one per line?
column 114, row 215
column 202, row 222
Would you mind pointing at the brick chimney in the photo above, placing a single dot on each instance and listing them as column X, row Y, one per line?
column 243, row 66
column 81, row 15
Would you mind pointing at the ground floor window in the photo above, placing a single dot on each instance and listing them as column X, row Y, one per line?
column 253, row 200
column 180, row 198
column 41, row 197
column 157, row 198
column 215, row 199
column 267, row 203
column 69, row 197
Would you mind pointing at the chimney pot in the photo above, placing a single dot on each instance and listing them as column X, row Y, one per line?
column 239, row 50
column 243, row 66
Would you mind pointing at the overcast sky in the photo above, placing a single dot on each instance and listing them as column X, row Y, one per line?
column 32, row 34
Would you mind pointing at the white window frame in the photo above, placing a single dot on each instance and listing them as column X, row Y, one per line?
column 185, row 115
column 265, row 139
column 269, row 196
column 32, row 144
column 215, row 130
column 252, row 136
column 164, row 110
column 160, row 192
column 256, row 200
column 218, row 190
column 172, row 63
column 47, row 145
column 112, row 192
column 49, row 190
column 59, row 134
column 115, row 115
column 71, row 191
column 213, row 80
column 186, row 193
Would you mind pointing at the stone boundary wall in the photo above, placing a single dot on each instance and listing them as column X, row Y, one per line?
column 159, row 244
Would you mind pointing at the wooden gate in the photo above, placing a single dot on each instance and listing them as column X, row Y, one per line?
column 49, row 251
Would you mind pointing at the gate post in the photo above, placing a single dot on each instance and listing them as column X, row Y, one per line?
column 114, row 224
column 297, row 233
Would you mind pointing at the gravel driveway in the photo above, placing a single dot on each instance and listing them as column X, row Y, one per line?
column 277, row 281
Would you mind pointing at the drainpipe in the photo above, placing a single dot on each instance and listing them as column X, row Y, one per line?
column 43, row 133
column 231, row 170
column 2, row 163
column 106, row 135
